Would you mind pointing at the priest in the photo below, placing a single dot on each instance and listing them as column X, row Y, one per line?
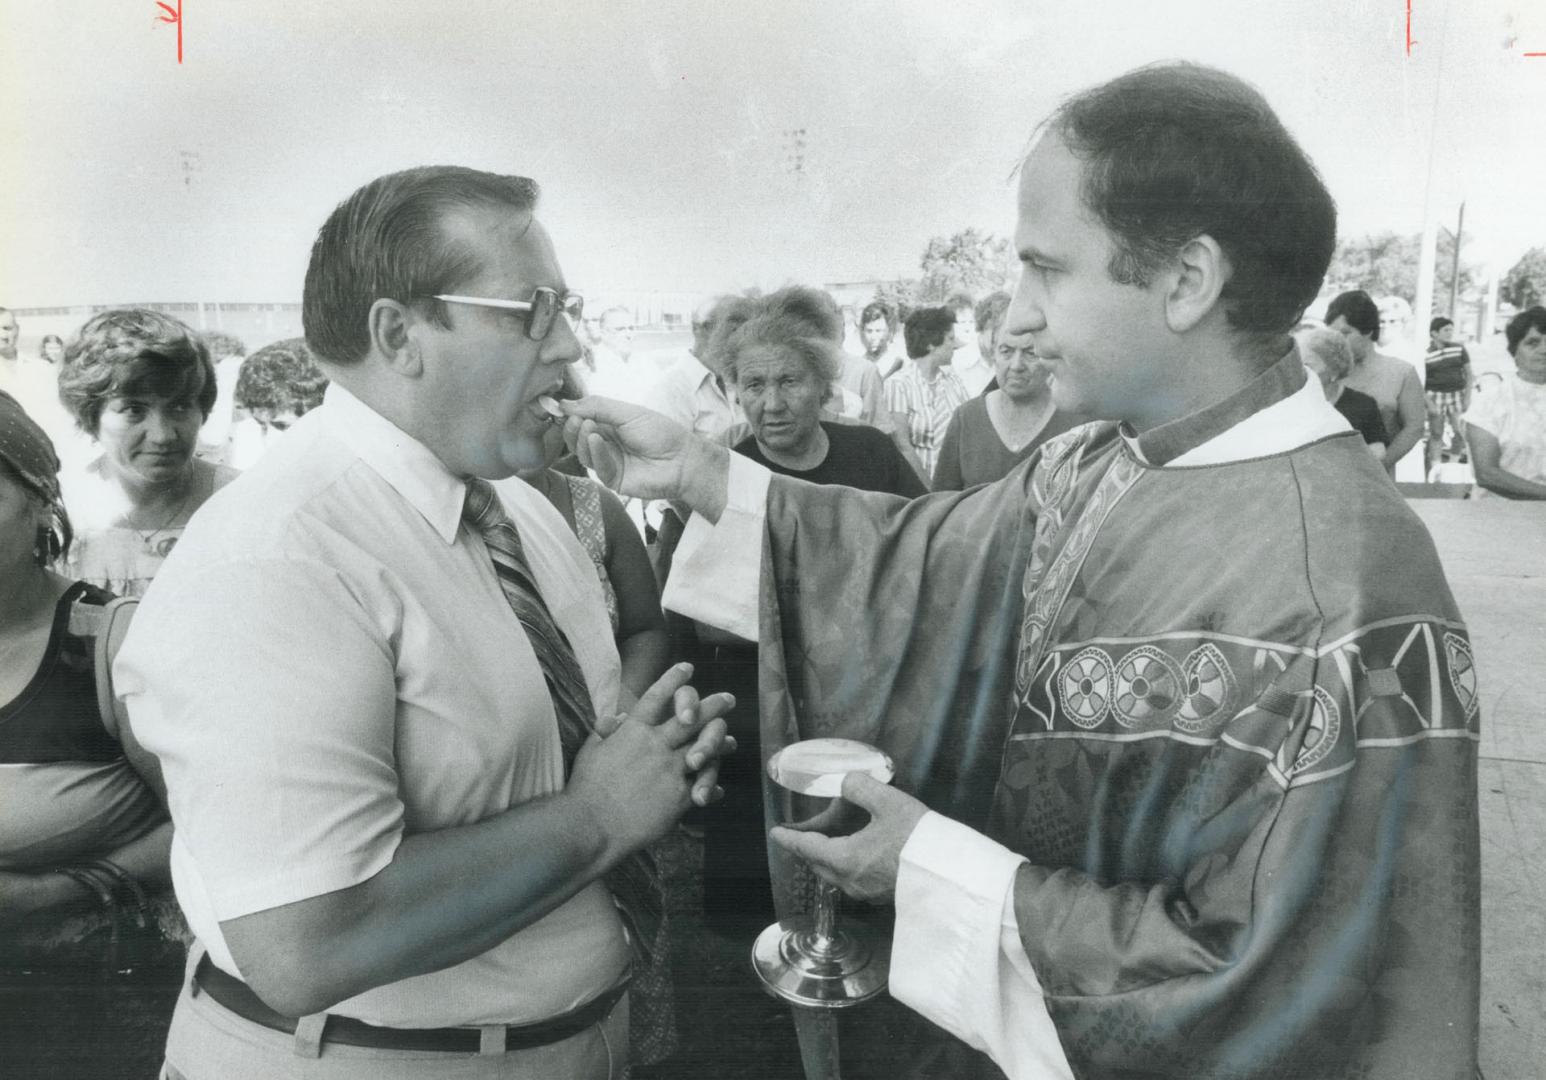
column 1184, row 713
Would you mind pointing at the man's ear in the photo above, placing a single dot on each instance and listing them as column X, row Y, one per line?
column 1202, row 268
column 392, row 335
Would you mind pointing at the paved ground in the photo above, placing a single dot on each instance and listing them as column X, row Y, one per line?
column 1495, row 554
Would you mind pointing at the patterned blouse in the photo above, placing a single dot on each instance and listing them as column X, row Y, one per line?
column 930, row 405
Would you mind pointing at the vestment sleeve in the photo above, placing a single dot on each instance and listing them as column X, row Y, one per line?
column 891, row 622
column 956, row 956
column 278, row 754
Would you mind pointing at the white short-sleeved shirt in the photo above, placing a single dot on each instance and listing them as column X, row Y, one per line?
column 1513, row 412
column 326, row 663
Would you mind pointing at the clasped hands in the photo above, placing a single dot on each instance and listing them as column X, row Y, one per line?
column 641, row 771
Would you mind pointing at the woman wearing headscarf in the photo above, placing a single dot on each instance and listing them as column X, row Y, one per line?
column 90, row 963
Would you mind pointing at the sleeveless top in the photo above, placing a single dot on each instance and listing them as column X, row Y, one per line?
column 66, row 790
column 590, row 527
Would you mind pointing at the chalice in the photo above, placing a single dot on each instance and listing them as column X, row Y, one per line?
column 810, row 959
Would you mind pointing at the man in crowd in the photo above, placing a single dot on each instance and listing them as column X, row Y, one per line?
column 1447, row 388
column 877, row 329
column 1391, row 382
column 924, row 392
column 1204, row 646
column 611, row 371
column 690, row 388
column 382, row 684
column 10, row 332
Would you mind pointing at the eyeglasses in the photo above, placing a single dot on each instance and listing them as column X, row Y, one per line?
column 541, row 310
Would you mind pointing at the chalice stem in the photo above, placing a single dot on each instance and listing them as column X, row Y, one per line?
column 825, row 915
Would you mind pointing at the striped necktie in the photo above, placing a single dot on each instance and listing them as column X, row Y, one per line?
column 635, row 882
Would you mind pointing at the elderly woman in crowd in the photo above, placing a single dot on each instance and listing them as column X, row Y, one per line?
column 1506, row 423
column 1327, row 354
column 992, row 433
column 141, row 384
column 781, row 353
column 1392, row 383
column 89, row 968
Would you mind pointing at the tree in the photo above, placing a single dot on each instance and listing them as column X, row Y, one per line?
column 900, row 296
column 971, row 261
column 1525, row 285
column 1385, row 264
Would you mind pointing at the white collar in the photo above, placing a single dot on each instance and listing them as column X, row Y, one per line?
column 405, row 463
column 1301, row 418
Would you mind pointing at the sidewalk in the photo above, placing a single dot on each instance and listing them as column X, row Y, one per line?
column 1494, row 552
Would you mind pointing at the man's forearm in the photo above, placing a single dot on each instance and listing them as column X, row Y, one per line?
column 445, row 897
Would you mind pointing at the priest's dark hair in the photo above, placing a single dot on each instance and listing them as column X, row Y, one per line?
column 1175, row 151
column 386, row 242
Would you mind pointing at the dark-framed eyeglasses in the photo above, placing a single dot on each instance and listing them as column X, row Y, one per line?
column 541, row 310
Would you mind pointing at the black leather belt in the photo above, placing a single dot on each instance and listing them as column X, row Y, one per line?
column 238, row 997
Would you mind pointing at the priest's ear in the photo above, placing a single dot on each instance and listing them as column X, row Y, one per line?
column 1201, row 271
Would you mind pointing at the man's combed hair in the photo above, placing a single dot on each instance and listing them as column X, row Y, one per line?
column 1175, row 151
column 925, row 329
column 386, row 242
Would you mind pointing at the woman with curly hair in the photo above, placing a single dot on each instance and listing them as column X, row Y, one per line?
column 141, row 384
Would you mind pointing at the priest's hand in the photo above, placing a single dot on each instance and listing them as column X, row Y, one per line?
column 863, row 865
column 642, row 454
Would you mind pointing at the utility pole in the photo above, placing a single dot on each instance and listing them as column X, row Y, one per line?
column 1454, row 270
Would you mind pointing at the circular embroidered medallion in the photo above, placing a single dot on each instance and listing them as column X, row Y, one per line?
column 1207, row 689
column 1148, row 686
column 1325, row 727
column 1084, row 687
column 1462, row 671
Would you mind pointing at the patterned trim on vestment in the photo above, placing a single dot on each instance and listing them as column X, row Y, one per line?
column 1047, row 581
column 1305, row 711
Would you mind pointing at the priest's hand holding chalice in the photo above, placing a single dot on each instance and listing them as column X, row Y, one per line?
column 850, row 827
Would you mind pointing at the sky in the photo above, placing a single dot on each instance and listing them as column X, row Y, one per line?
column 663, row 132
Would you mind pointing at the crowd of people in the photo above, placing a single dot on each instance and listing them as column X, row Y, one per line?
column 405, row 716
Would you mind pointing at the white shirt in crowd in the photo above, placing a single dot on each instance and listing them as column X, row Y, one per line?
column 326, row 663
column 956, row 952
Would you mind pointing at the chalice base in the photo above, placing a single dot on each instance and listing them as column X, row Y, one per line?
column 794, row 964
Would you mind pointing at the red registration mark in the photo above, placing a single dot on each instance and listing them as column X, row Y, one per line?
column 173, row 15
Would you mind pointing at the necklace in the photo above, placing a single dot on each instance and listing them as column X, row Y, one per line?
column 147, row 537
